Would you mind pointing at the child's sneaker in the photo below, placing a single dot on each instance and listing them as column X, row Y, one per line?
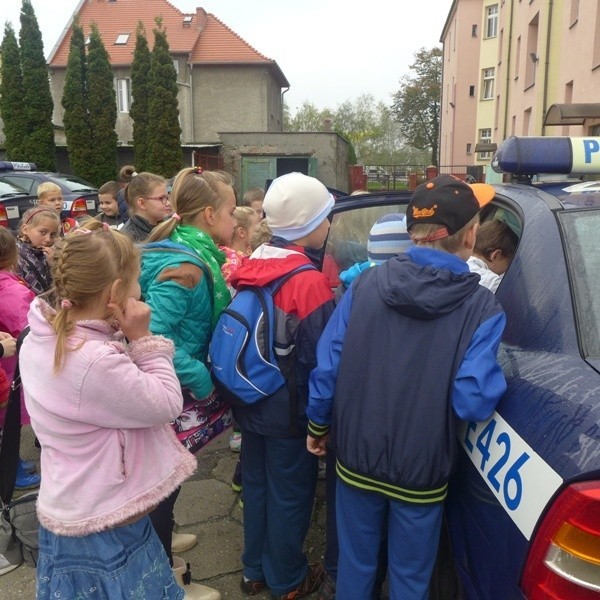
column 236, row 480
column 310, row 583
column 235, row 441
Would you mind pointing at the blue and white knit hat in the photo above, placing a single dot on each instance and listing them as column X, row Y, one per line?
column 388, row 237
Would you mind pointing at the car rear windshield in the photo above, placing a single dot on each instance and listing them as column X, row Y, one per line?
column 73, row 183
column 582, row 242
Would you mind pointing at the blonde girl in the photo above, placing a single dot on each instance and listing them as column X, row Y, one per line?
column 108, row 453
column 149, row 204
column 246, row 221
column 182, row 282
column 38, row 230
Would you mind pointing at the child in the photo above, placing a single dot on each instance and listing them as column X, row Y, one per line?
column 246, row 221
column 279, row 475
column 107, row 198
column 254, row 198
column 16, row 298
column 181, row 280
column 393, row 424
column 108, row 454
column 38, row 231
column 149, row 204
column 50, row 195
column 126, row 174
column 495, row 247
column 261, row 235
column 8, row 348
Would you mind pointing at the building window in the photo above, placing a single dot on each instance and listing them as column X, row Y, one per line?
column 491, row 21
column 469, row 148
column 474, row 30
column 124, row 95
column 485, row 137
column 122, row 38
column 471, row 90
column 574, row 11
column 487, row 84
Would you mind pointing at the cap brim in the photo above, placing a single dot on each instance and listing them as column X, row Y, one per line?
column 483, row 192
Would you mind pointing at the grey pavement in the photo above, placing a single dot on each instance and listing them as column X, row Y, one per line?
column 208, row 507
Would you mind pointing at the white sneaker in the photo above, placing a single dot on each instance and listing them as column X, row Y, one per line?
column 5, row 566
column 180, row 542
column 235, row 441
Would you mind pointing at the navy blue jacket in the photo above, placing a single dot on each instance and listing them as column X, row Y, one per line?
column 411, row 345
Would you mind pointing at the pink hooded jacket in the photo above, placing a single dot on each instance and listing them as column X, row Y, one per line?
column 108, row 451
column 15, row 298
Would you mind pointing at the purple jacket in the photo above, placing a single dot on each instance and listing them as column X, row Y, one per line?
column 109, row 453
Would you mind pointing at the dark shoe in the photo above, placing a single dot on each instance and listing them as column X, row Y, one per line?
column 236, row 480
column 27, row 466
column 308, row 586
column 327, row 588
column 251, row 588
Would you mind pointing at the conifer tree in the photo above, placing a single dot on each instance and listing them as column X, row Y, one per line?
column 102, row 112
column 74, row 100
column 140, row 87
column 164, row 139
column 11, row 96
column 37, row 100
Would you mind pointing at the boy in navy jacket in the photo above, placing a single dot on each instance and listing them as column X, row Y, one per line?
column 411, row 346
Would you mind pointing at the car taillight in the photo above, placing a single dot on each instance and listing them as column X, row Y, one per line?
column 564, row 559
column 3, row 217
column 78, row 208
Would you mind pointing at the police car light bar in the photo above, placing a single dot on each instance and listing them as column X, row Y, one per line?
column 7, row 165
column 532, row 155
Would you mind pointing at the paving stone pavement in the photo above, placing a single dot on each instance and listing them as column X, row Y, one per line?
column 208, row 507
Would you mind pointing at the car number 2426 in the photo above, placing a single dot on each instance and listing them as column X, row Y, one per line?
column 518, row 477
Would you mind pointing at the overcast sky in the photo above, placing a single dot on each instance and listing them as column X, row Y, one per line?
column 330, row 51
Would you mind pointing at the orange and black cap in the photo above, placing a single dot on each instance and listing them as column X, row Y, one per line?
column 447, row 201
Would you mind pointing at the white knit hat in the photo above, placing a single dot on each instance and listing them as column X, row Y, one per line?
column 295, row 205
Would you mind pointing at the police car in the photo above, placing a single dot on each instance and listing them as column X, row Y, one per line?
column 523, row 510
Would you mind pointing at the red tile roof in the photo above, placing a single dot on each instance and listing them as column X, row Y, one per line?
column 206, row 40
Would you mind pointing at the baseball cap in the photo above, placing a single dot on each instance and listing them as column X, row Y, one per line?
column 447, row 201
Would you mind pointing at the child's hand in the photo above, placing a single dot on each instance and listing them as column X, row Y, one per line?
column 49, row 252
column 133, row 318
column 9, row 344
column 317, row 446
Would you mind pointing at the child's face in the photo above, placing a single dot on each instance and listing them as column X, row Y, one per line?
column 257, row 207
column 224, row 223
column 53, row 200
column 316, row 239
column 156, row 206
column 108, row 205
column 43, row 233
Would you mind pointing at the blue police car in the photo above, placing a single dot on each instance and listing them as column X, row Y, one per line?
column 523, row 510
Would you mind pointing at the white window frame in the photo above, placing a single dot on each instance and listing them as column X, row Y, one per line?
column 491, row 21
column 485, row 137
column 488, row 77
column 123, row 94
column 122, row 38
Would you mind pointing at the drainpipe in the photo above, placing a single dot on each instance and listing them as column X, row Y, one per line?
column 508, row 69
column 547, row 65
column 287, row 89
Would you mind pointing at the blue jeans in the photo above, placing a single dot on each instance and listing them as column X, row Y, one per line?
column 124, row 562
column 279, row 479
column 413, row 535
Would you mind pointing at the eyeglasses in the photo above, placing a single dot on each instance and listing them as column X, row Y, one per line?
column 165, row 199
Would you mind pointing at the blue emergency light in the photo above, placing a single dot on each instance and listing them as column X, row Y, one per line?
column 532, row 155
column 7, row 165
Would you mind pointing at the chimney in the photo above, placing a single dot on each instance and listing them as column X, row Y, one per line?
column 327, row 124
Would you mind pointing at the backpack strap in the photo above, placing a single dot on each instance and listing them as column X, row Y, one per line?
column 11, row 433
column 290, row 376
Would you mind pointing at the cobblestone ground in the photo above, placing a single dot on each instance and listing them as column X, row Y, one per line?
column 208, row 507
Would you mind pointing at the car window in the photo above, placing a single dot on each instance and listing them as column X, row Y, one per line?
column 73, row 183
column 9, row 189
column 348, row 235
column 18, row 180
column 582, row 243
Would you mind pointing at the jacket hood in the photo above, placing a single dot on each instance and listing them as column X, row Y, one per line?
column 268, row 263
column 425, row 284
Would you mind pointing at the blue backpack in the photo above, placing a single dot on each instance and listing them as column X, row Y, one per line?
column 244, row 365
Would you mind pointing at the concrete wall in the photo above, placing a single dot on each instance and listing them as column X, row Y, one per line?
column 330, row 150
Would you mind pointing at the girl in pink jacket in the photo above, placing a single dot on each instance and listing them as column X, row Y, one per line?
column 101, row 407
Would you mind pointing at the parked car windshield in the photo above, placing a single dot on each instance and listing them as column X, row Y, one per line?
column 583, row 256
column 10, row 189
column 75, row 184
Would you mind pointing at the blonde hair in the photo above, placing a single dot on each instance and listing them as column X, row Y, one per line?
column 193, row 191
column 47, row 187
column 261, row 235
column 451, row 243
column 141, row 185
column 34, row 215
column 252, row 195
column 86, row 262
column 244, row 215
column 9, row 255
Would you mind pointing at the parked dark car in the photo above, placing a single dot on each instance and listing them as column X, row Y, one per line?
column 523, row 509
column 80, row 198
column 14, row 202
